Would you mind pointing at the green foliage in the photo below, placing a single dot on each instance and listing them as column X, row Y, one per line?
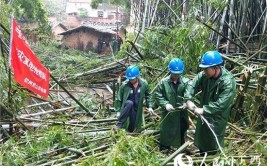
column 135, row 150
column 65, row 63
column 82, row 13
column 125, row 4
column 217, row 3
column 16, row 153
column 87, row 100
column 188, row 41
column 129, row 150
column 125, row 46
column 94, row 3
column 9, row 97
column 5, row 10
column 261, row 146
column 30, row 11
column 26, row 11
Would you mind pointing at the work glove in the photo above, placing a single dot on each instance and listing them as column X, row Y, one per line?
column 190, row 105
column 150, row 111
column 118, row 114
column 169, row 107
column 199, row 111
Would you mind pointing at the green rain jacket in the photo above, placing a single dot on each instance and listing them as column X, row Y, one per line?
column 216, row 99
column 123, row 95
column 170, row 128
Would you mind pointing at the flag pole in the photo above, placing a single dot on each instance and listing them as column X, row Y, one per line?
column 9, row 82
column 3, row 108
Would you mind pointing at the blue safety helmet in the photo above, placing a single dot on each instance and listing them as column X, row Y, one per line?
column 132, row 72
column 176, row 66
column 211, row 58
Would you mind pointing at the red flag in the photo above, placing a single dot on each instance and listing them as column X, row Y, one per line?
column 28, row 70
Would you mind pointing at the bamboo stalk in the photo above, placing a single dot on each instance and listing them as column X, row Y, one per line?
column 241, row 96
column 56, row 151
column 179, row 150
column 87, row 152
column 52, row 122
column 259, row 99
column 12, row 116
column 87, row 131
column 47, row 112
column 236, row 62
column 171, row 9
column 221, row 26
column 106, row 67
column 231, row 19
column 133, row 56
column 134, row 47
column 255, row 142
column 80, row 104
column 258, row 21
column 220, row 33
column 154, row 13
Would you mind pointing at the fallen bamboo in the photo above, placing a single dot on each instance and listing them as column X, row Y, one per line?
column 51, row 122
column 37, row 104
column 57, row 162
column 133, row 56
column 55, row 151
column 107, row 67
column 94, row 121
column 77, row 151
column 179, row 150
column 87, row 131
column 235, row 139
column 133, row 46
column 12, row 115
column 55, row 104
column 236, row 62
column 83, row 158
column 47, row 112
column 82, row 106
column 255, row 142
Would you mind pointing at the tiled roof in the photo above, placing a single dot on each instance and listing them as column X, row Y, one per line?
column 98, row 29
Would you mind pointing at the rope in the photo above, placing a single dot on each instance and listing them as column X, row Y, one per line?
column 217, row 141
column 208, row 124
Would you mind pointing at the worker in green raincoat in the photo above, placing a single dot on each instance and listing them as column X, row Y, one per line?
column 169, row 95
column 218, row 88
column 129, row 100
column 114, row 45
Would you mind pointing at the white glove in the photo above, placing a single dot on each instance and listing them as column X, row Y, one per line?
column 118, row 114
column 169, row 107
column 199, row 111
column 190, row 105
column 150, row 111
